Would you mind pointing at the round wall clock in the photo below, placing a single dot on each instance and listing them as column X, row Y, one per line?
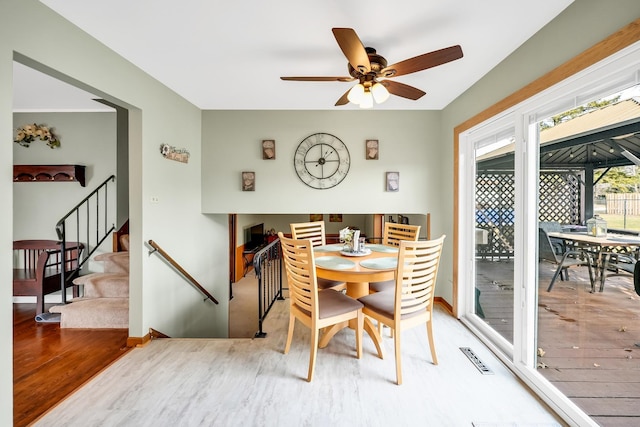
column 322, row 161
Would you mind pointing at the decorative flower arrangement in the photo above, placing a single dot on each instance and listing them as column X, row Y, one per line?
column 346, row 235
column 349, row 238
column 28, row 133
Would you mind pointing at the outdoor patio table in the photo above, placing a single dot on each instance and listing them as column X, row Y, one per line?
column 599, row 246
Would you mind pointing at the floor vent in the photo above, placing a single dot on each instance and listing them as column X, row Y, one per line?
column 476, row 361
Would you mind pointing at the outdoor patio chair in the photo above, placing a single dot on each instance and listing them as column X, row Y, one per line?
column 616, row 264
column 568, row 259
column 554, row 226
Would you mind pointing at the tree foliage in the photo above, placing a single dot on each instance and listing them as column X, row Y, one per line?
column 619, row 179
column 576, row 112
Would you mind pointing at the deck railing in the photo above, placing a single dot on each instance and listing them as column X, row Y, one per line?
column 267, row 264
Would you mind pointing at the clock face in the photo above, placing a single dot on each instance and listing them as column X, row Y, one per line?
column 322, row 161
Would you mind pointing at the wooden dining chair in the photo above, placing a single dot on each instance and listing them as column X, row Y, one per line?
column 315, row 308
column 411, row 302
column 314, row 231
column 393, row 235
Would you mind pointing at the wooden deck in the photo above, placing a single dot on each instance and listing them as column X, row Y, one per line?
column 50, row 363
column 591, row 341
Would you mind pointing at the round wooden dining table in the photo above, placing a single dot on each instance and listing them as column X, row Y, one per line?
column 377, row 264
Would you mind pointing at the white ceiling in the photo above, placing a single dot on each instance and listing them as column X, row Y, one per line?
column 230, row 55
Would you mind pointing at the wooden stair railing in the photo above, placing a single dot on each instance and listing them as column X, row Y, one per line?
column 157, row 249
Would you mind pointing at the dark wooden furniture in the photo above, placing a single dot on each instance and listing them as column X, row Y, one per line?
column 38, row 267
column 52, row 173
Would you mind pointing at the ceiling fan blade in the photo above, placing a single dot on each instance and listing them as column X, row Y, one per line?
column 353, row 49
column 343, row 99
column 403, row 90
column 422, row 62
column 319, row 79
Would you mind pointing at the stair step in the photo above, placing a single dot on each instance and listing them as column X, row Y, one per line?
column 114, row 262
column 104, row 285
column 94, row 313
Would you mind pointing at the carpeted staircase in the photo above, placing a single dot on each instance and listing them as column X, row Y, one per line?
column 105, row 301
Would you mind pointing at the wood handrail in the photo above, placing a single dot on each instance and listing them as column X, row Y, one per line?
column 182, row 271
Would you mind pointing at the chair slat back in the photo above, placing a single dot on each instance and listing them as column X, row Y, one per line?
column 418, row 263
column 313, row 231
column 300, row 267
column 394, row 233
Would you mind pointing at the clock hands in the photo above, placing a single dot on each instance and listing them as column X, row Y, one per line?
column 320, row 163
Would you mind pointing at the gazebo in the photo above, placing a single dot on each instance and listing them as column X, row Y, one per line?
column 570, row 152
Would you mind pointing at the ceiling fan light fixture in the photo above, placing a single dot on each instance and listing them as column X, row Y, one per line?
column 356, row 94
column 367, row 100
column 380, row 93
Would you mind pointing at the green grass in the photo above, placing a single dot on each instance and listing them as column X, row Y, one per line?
column 618, row 221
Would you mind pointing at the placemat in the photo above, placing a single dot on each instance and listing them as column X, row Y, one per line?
column 385, row 263
column 334, row 263
column 383, row 248
column 328, row 248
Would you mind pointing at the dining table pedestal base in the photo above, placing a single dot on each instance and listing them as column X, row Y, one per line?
column 354, row 290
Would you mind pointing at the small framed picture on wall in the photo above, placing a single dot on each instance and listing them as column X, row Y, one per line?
column 371, row 149
column 315, row 217
column 268, row 149
column 393, row 181
column 248, row 181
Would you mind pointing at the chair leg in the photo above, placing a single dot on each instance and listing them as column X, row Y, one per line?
column 591, row 276
column 396, row 341
column 292, row 322
column 555, row 276
column 373, row 333
column 432, row 345
column 314, row 351
column 603, row 273
column 359, row 332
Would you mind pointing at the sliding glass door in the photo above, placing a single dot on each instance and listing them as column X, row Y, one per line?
column 526, row 178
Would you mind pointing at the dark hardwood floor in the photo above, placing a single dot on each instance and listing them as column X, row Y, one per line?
column 49, row 363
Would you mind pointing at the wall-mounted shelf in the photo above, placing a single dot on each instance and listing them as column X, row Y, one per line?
column 52, row 173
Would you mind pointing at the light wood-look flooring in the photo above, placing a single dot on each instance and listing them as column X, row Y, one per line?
column 240, row 382
column 50, row 363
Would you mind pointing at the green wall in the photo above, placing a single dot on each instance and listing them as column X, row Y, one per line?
column 583, row 24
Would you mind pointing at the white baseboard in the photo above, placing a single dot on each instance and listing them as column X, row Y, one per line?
column 54, row 298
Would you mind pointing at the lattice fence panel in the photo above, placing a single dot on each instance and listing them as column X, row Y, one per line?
column 560, row 200
column 495, row 198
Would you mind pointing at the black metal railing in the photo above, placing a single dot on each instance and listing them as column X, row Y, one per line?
column 267, row 264
column 165, row 256
column 87, row 223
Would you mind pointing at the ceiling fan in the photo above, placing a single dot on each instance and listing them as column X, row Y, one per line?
column 366, row 66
